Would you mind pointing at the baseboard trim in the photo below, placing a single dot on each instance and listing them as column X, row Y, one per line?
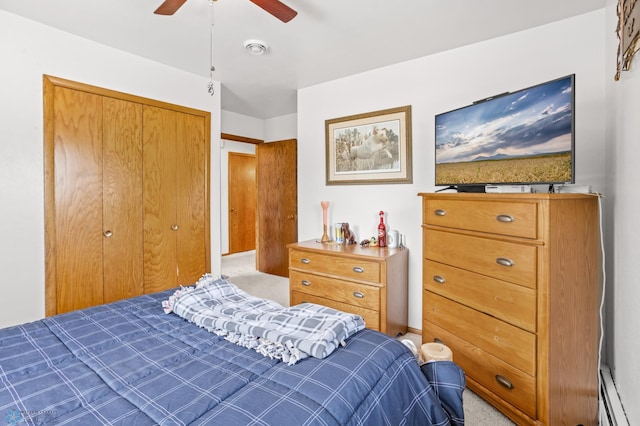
column 414, row 331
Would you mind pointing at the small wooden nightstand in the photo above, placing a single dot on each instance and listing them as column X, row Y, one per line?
column 369, row 281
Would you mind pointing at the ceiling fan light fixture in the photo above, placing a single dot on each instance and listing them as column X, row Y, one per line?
column 256, row 47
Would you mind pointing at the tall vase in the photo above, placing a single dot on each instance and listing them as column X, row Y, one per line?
column 325, row 236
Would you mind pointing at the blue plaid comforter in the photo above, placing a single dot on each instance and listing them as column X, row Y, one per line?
column 288, row 334
column 128, row 363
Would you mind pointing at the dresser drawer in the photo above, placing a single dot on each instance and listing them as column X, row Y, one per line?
column 341, row 266
column 512, row 303
column 506, row 261
column 509, row 383
column 361, row 295
column 518, row 219
column 370, row 317
column 507, row 342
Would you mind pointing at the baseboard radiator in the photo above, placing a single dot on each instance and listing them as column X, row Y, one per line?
column 611, row 409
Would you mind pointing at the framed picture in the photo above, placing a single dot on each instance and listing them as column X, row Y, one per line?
column 370, row 148
column 628, row 34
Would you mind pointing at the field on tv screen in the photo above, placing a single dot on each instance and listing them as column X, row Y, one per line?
column 541, row 168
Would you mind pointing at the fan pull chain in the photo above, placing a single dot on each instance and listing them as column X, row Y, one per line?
column 210, row 89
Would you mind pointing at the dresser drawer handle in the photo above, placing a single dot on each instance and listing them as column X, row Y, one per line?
column 439, row 279
column 504, row 381
column 358, row 269
column 305, row 261
column 305, row 283
column 440, row 212
column 358, row 295
column 505, row 218
column 505, row 262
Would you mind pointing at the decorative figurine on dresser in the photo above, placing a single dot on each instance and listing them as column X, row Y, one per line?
column 368, row 281
column 511, row 285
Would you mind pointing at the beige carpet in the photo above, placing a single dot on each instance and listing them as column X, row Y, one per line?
column 240, row 268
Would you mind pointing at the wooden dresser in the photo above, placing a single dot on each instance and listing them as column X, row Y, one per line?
column 369, row 281
column 511, row 285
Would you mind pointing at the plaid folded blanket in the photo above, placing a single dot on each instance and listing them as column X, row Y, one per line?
column 288, row 334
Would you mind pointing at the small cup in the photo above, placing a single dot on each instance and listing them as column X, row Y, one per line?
column 393, row 239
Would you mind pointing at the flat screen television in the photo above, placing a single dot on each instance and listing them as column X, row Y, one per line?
column 519, row 138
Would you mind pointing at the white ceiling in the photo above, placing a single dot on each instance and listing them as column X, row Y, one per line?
column 329, row 39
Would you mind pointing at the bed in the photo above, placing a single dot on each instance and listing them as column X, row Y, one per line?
column 129, row 363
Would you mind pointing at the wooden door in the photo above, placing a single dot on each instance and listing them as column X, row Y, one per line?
column 277, row 211
column 122, row 200
column 76, row 246
column 242, row 202
column 192, row 201
column 110, row 181
column 159, row 182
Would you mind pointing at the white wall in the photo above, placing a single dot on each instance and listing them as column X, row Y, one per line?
column 436, row 84
column 242, row 125
column 281, row 128
column 622, row 210
column 29, row 50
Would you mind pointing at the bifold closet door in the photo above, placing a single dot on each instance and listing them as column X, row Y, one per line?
column 126, row 194
column 175, row 187
column 78, row 199
column 191, row 208
column 98, row 207
column 122, row 199
column 160, row 221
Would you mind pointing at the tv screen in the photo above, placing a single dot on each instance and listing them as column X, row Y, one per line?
column 523, row 137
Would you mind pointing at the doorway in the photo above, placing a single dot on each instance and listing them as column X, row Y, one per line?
column 276, row 205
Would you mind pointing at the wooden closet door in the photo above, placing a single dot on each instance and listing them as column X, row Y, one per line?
column 191, row 199
column 78, row 208
column 111, row 195
column 160, row 221
column 122, row 199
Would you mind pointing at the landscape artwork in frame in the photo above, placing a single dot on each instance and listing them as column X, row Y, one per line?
column 370, row 148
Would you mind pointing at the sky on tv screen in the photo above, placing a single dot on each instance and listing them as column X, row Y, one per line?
column 532, row 121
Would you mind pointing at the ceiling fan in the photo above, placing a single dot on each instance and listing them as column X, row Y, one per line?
column 274, row 7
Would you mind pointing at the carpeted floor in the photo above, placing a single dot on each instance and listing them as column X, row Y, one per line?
column 240, row 268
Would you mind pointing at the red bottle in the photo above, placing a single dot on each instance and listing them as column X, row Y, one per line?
column 382, row 231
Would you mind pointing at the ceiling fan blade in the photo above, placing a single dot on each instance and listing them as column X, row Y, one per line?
column 169, row 7
column 277, row 9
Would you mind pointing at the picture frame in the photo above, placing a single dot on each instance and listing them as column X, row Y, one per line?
column 369, row 148
column 628, row 34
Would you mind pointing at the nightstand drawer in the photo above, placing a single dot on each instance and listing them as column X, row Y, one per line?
column 371, row 318
column 330, row 288
column 506, row 261
column 512, row 303
column 502, row 379
column 514, row 219
column 507, row 342
column 346, row 267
